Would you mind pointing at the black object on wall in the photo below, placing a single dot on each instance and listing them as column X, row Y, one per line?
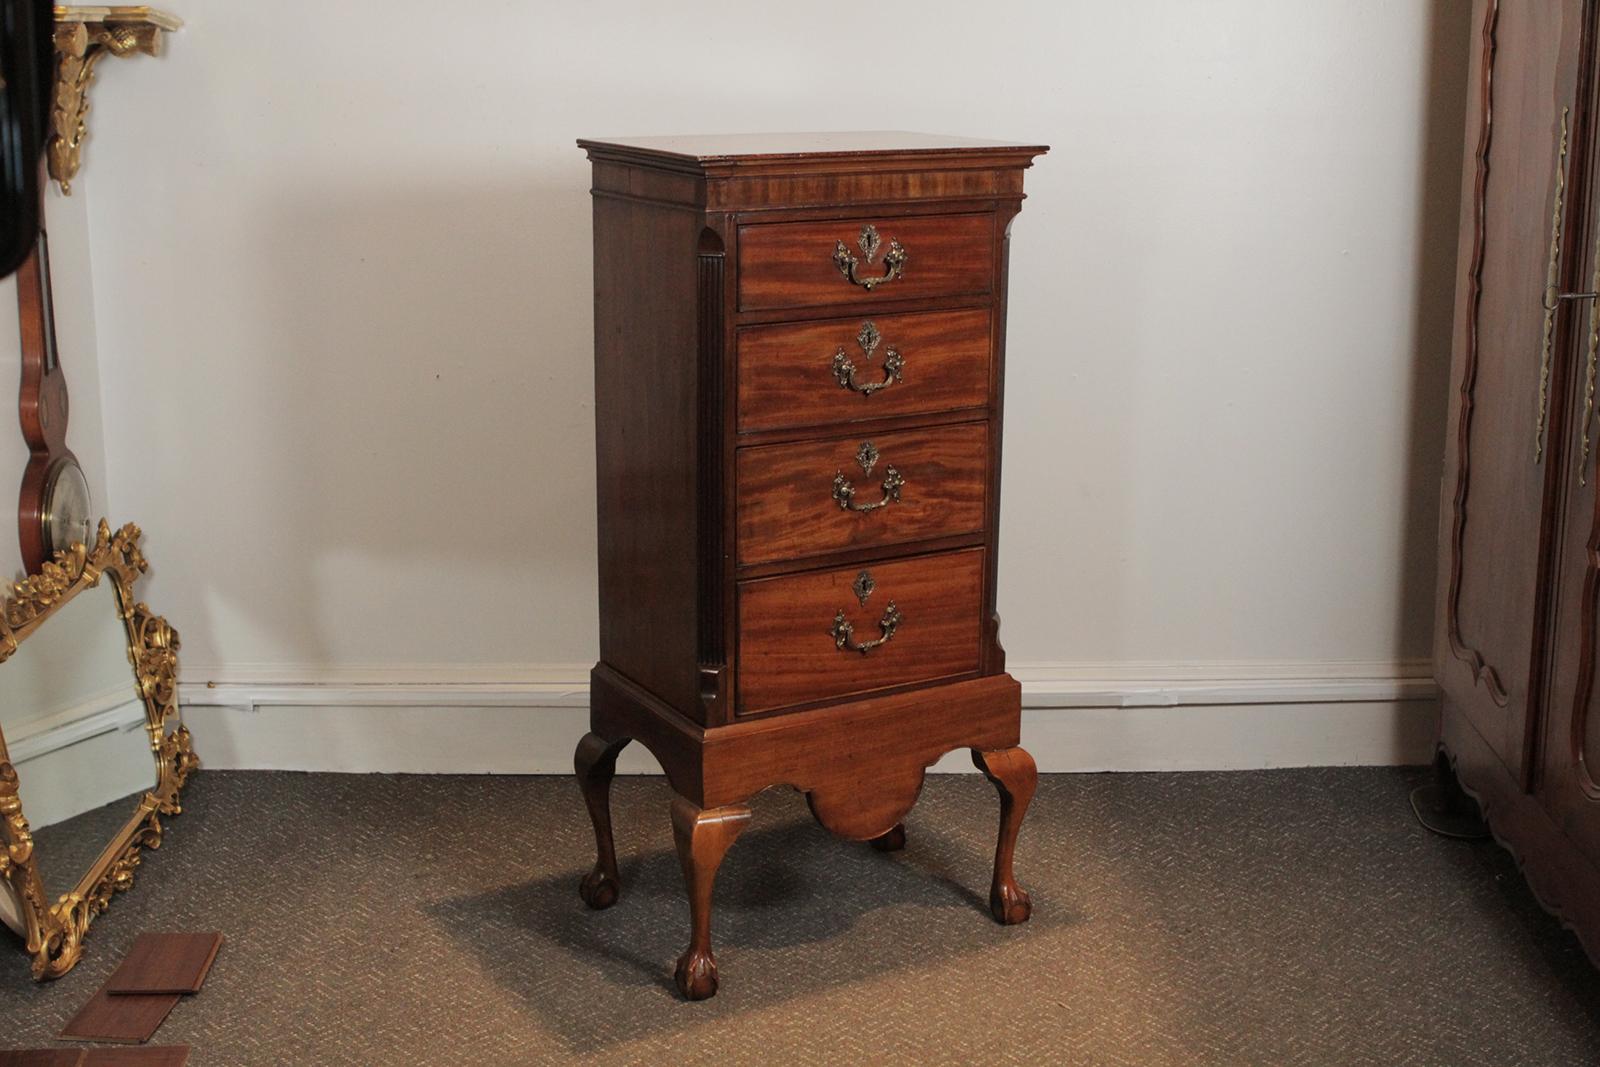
column 27, row 56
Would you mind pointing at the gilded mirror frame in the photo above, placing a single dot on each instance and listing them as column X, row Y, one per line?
column 54, row 933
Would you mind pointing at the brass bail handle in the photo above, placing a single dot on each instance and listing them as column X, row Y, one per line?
column 894, row 260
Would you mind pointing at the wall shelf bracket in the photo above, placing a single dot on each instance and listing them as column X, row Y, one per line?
column 83, row 36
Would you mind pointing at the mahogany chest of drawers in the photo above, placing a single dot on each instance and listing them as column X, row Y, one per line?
column 799, row 347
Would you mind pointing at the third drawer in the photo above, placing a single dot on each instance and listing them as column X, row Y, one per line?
column 810, row 498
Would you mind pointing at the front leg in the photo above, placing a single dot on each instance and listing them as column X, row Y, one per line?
column 596, row 764
column 1014, row 774
column 703, row 837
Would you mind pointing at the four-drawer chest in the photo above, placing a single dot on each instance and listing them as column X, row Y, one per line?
column 799, row 349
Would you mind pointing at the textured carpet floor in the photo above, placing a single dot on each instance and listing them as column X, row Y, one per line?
column 1276, row 918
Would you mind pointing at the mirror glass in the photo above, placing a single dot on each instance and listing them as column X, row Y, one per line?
column 74, row 725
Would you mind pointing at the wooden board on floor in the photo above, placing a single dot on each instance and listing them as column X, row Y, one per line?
column 166, row 963
column 147, row 1056
column 43, row 1057
column 127, row 1019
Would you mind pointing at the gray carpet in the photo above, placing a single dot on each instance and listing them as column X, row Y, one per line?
column 1274, row 918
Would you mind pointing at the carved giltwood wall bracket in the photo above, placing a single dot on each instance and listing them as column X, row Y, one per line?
column 54, row 932
column 83, row 36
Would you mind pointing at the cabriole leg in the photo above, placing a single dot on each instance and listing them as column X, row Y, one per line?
column 596, row 764
column 1014, row 774
column 703, row 837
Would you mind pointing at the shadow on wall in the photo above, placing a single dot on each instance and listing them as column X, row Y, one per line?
column 1438, row 217
column 427, row 408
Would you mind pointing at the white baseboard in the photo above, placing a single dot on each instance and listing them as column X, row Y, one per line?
column 102, row 713
column 78, row 759
column 1077, row 717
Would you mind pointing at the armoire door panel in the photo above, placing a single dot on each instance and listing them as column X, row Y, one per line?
column 1524, row 74
column 1570, row 749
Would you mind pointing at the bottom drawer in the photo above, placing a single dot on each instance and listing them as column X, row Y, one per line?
column 801, row 635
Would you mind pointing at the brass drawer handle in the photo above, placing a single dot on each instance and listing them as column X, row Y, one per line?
column 844, row 370
column 844, row 492
column 894, row 260
column 842, row 631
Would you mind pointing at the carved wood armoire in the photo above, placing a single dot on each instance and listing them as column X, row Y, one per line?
column 798, row 367
column 1519, row 567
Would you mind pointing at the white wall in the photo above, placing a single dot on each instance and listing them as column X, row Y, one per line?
column 342, row 275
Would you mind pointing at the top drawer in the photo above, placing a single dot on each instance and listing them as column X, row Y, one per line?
column 864, row 261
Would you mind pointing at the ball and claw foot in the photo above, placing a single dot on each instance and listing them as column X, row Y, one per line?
column 599, row 890
column 1010, row 904
column 595, row 762
column 1014, row 775
column 703, row 836
column 696, row 975
column 893, row 841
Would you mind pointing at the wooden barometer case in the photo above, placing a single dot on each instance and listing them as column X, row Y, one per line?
column 53, row 509
column 799, row 343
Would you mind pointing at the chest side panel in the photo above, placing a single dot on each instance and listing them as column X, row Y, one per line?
column 646, row 401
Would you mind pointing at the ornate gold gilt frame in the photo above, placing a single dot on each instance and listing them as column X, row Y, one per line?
column 55, row 932
column 83, row 36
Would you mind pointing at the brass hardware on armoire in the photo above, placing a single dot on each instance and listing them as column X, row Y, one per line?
column 1553, row 296
column 1589, row 372
column 894, row 260
column 1552, row 289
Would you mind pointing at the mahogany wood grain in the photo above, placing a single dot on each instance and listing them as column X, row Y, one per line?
column 786, row 152
column 845, row 747
column 788, row 656
column 42, row 402
column 786, row 373
column 719, row 174
column 646, row 406
column 146, row 1056
column 128, row 1019
column 42, row 1057
column 702, row 838
column 166, row 963
column 718, row 314
column 791, row 264
column 596, row 764
column 787, row 508
column 1015, row 776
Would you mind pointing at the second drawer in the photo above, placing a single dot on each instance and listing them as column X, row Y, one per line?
column 815, row 497
column 841, row 370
